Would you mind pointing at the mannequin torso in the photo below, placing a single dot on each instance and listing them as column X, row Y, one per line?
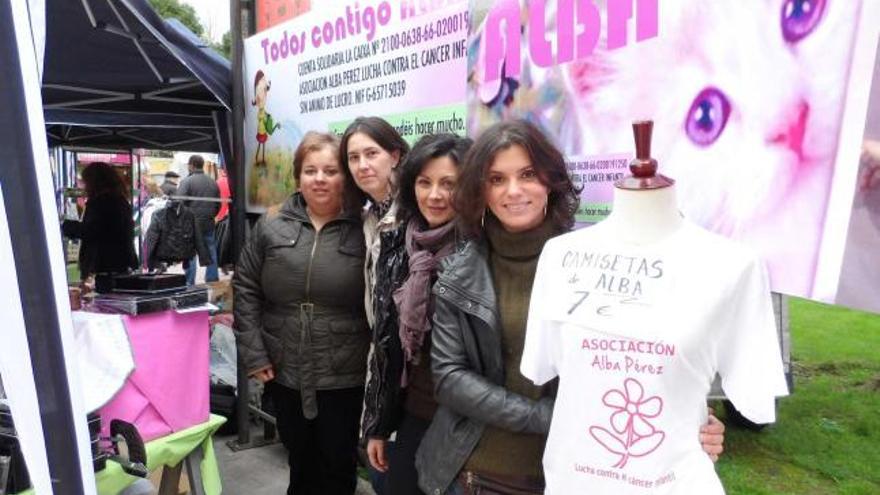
column 641, row 217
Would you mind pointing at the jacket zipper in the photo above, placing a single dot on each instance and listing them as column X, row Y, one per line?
column 308, row 308
column 309, row 269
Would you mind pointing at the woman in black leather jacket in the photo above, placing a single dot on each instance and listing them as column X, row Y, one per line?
column 487, row 436
column 372, row 149
column 300, row 324
column 426, row 182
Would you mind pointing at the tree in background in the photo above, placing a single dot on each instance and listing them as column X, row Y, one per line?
column 225, row 46
column 187, row 15
column 182, row 12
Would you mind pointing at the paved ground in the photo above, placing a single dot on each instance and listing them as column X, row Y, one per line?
column 258, row 471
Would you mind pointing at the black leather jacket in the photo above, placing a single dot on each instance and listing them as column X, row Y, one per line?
column 468, row 371
column 174, row 235
column 382, row 398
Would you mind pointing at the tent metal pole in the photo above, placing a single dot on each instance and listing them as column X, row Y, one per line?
column 140, row 206
column 19, row 176
column 237, row 212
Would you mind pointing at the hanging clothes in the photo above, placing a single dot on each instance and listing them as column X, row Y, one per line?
column 174, row 236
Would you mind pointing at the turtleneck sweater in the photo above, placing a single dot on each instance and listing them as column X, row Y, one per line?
column 513, row 259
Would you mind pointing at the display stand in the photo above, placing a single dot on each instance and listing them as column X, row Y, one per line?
column 192, row 448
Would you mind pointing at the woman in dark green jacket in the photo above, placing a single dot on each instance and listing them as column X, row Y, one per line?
column 300, row 322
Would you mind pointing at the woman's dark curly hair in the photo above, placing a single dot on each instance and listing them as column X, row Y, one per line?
column 426, row 149
column 101, row 178
column 548, row 162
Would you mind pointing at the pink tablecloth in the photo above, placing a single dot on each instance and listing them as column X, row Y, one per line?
column 169, row 389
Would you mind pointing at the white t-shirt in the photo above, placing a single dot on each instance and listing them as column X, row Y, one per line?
column 636, row 335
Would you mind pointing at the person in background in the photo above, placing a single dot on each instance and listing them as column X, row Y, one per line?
column 426, row 182
column 169, row 185
column 372, row 149
column 107, row 227
column 199, row 185
column 487, row 436
column 300, row 323
column 223, row 186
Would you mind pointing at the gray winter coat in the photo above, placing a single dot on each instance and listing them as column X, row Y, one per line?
column 201, row 185
column 299, row 301
column 468, row 370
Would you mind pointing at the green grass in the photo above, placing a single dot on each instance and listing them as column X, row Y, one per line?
column 827, row 436
column 72, row 273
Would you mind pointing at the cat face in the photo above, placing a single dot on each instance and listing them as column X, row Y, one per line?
column 746, row 97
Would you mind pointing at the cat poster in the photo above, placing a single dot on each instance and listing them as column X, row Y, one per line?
column 753, row 104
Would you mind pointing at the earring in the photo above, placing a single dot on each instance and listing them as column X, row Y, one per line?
column 483, row 219
column 545, row 210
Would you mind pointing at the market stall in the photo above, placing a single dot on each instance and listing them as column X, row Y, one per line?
column 115, row 76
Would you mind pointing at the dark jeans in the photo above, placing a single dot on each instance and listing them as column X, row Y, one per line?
column 322, row 451
column 402, row 477
column 211, row 273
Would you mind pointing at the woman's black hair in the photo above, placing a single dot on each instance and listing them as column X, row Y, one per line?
column 379, row 130
column 427, row 148
column 101, row 178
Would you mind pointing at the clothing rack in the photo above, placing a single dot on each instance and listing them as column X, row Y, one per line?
column 198, row 198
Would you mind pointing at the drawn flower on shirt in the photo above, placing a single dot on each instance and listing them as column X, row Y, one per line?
column 631, row 434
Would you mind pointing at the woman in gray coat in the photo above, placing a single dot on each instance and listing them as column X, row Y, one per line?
column 300, row 320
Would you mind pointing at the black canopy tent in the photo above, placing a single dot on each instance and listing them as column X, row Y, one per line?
column 117, row 76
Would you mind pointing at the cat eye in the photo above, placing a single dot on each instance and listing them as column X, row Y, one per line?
column 707, row 116
column 800, row 18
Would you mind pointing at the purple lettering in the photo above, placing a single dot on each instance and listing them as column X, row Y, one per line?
column 619, row 14
column 539, row 47
column 265, row 45
column 506, row 50
column 283, row 48
column 316, row 36
column 383, row 14
column 588, row 17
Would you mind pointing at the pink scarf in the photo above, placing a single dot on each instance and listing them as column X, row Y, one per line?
column 425, row 249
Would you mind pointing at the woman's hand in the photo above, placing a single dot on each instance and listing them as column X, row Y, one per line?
column 712, row 436
column 264, row 374
column 376, row 454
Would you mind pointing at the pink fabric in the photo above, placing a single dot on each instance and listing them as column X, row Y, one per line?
column 169, row 388
column 223, row 185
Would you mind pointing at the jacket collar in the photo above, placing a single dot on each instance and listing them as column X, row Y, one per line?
column 467, row 273
column 294, row 208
